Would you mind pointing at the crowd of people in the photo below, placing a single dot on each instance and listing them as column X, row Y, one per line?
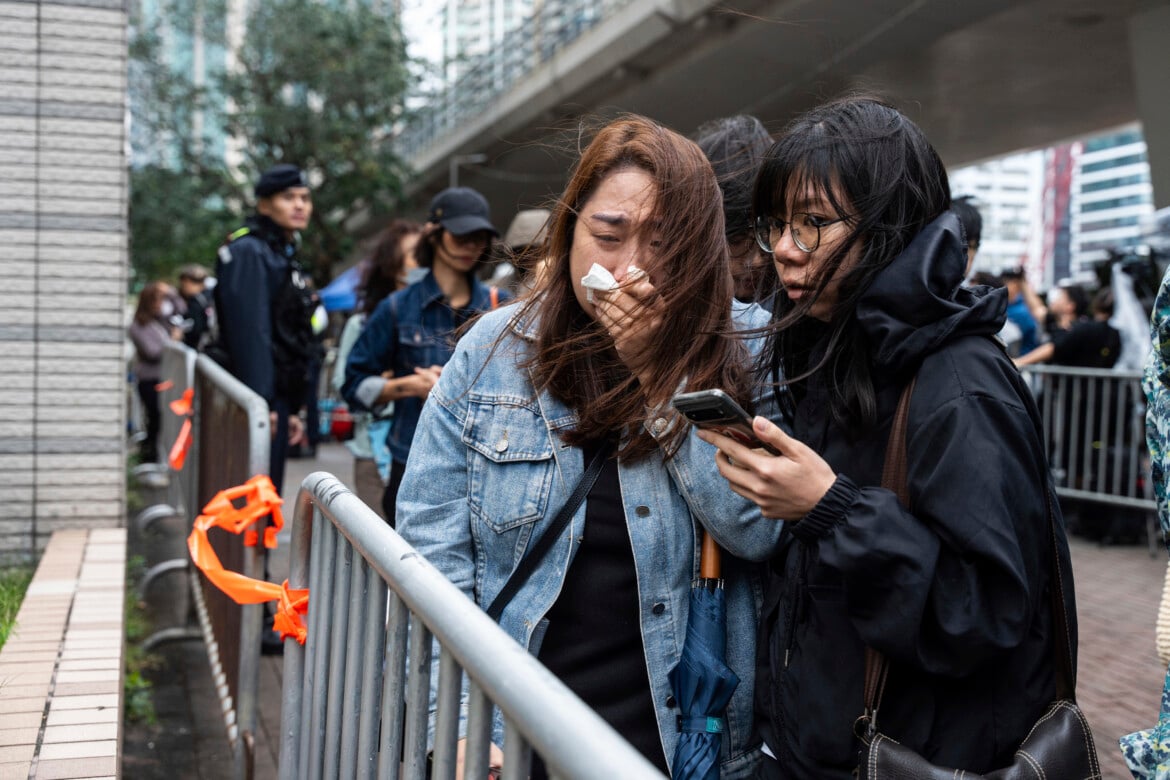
column 821, row 278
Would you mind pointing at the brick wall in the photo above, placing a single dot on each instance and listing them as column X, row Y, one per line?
column 63, row 271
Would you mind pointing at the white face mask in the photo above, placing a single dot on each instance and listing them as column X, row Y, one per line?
column 167, row 308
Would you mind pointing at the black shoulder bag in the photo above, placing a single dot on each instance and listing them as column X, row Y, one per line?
column 538, row 551
column 1060, row 744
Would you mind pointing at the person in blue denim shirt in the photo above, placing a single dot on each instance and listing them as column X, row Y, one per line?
column 536, row 389
column 391, row 259
column 410, row 336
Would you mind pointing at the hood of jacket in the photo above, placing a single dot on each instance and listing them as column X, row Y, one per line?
column 917, row 303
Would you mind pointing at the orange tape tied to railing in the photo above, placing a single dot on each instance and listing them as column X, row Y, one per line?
column 260, row 500
column 182, row 407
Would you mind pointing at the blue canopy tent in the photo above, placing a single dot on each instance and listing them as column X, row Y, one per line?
column 341, row 293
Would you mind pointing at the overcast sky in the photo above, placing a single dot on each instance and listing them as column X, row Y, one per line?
column 420, row 21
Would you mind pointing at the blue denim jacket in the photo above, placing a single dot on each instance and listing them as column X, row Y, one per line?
column 411, row 328
column 489, row 472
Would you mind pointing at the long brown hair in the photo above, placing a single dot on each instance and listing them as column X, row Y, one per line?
column 695, row 346
column 148, row 300
column 384, row 270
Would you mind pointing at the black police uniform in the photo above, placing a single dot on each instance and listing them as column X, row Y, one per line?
column 264, row 307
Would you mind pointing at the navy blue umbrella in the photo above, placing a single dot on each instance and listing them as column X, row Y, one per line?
column 703, row 682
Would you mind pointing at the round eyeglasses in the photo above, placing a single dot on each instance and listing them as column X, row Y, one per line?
column 806, row 231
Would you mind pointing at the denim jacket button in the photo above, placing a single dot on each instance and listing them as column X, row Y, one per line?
column 658, row 608
column 642, row 511
column 502, row 444
column 670, row 702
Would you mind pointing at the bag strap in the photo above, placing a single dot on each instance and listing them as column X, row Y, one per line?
column 538, row 551
column 894, row 479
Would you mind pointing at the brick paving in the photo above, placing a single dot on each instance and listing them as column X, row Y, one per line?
column 61, row 668
column 1119, row 678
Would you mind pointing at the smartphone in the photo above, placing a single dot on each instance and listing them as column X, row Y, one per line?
column 717, row 411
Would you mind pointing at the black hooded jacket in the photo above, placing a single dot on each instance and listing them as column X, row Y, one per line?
column 954, row 590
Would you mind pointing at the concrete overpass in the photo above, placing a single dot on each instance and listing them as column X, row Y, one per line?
column 982, row 77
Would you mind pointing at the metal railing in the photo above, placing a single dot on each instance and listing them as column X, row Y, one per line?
column 177, row 373
column 230, row 445
column 1094, row 423
column 553, row 26
column 356, row 696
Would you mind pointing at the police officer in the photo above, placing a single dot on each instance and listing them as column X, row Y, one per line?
column 264, row 305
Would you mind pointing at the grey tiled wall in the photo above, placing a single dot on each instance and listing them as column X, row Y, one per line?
column 62, row 268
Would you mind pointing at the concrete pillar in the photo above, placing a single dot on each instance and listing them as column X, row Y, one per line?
column 1148, row 35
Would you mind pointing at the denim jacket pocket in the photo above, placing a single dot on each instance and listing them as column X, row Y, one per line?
column 417, row 346
column 511, row 466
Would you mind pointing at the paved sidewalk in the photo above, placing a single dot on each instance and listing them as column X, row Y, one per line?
column 1119, row 684
column 1119, row 678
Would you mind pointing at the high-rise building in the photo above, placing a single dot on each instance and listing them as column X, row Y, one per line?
column 1007, row 193
column 1061, row 211
column 1110, row 195
column 197, row 46
column 472, row 28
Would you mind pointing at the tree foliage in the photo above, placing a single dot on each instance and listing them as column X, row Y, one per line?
column 319, row 84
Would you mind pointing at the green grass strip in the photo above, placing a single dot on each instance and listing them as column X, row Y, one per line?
column 13, row 583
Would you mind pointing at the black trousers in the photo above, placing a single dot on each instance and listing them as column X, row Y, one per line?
column 149, row 395
column 390, row 495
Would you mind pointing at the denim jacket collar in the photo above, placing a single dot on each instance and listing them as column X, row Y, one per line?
column 430, row 293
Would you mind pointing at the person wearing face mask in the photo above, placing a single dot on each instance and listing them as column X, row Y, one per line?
column 150, row 330
column 569, row 391
column 391, row 260
column 410, row 335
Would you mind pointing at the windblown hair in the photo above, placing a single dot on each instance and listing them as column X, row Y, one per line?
column 148, row 301
column 735, row 145
column 877, row 169
column 428, row 244
column 383, row 271
column 969, row 217
column 694, row 347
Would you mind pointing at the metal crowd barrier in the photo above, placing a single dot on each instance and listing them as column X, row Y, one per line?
column 230, row 445
column 355, row 697
column 177, row 373
column 1094, row 423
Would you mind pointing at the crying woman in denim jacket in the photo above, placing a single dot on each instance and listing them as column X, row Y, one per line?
column 537, row 389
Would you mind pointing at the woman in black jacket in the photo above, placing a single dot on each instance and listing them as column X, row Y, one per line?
column 853, row 204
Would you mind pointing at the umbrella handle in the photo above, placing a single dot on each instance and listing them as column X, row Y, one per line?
column 710, row 563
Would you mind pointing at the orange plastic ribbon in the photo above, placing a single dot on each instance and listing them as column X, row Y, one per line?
column 163, row 386
column 178, row 454
column 260, row 500
column 181, row 406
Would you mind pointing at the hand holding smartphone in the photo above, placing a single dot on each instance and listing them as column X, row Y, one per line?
column 717, row 411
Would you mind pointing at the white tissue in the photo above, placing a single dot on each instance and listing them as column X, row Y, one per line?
column 601, row 279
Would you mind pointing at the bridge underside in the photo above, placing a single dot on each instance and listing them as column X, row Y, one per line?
column 982, row 77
